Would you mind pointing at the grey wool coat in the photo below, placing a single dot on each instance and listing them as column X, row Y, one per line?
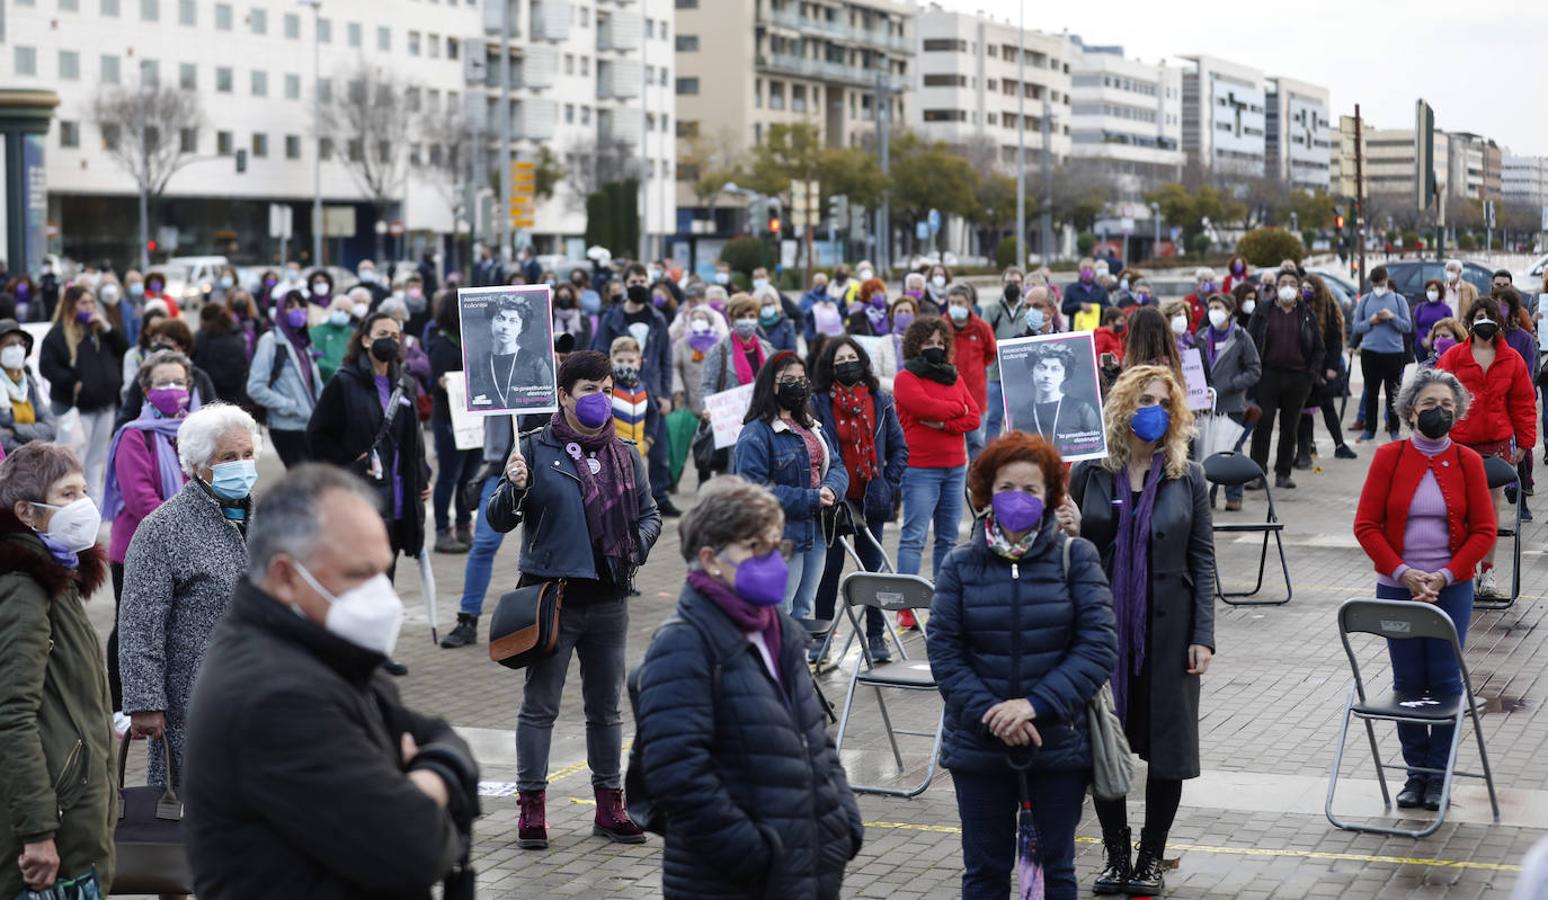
column 180, row 573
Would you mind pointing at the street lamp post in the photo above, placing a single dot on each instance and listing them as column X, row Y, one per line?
column 1021, row 141
column 317, row 216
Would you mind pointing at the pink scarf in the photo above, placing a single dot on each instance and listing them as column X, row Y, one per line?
column 745, row 373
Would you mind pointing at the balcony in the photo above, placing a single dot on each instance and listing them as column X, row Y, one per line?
column 838, row 31
column 618, row 127
column 492, row 12
column 536, row 118
column 618, row 79
column 621, row 31
column 822, row 70
column 551, row 20
column 539, row 67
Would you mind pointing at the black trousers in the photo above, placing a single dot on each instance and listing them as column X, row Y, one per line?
column 291, row 446
column 1329, row 418
column 1282, row 392
column 115, row 680
column 1382, row 371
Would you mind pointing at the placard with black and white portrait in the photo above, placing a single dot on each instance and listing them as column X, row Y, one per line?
column 1051, row 388
column 507, row 349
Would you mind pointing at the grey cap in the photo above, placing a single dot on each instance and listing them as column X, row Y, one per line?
column 9, row 325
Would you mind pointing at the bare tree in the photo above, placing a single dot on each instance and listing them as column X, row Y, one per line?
column 143, row 131
column 448, row 162
column 592, row 164
column 372, row 125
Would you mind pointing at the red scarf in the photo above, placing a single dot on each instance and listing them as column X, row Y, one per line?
column 854, row 420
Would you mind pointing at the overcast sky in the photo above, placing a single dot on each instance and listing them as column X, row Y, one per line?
column 1476, row 63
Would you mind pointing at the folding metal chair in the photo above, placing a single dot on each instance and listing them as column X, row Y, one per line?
column 1232, row 470
column 825, row 636
column 890, row 593
column 1400, row 620
column 1502, row 474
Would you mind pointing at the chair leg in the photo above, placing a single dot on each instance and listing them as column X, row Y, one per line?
column 1381, row 771
column 1483, row 755
column 1338, row 763
column 849, row 704
column 887, row 721
column 1233, row 598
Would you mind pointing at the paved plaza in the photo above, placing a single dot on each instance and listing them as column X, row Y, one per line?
column 1251, row 827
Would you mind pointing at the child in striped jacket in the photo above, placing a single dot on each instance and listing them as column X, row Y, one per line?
column 631, row 402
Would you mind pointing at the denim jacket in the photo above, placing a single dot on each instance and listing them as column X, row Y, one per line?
column 773, row 455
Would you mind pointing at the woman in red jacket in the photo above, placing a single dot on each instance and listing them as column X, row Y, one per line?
column 1425, row 521
column 975, row 351
column 1504, row 408
column 937, row 410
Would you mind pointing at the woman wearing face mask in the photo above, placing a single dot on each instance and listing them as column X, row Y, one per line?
column 1503, row 422
column 1382, row 319
column 1324, row 397
column 1176, row 313
column 29, row 306
column 320, row 289
column 784, row 448
column 454, row 468
column 220, row 349
column 726, row 676
column 172, row 598
column 936, row 282
column 1042, row 595
column 866, row 313
column 137, row 352
column 1289, row 342
column 331, row 337
column 585, row 496
column 568, row 318
column 81, row 357
column 689, row 353
column 738, row 358
column 1426, row 522
column 111, row 295
column 1430, row 310
column 773, row 324
column 1146, row 508
column 1444, row 335
column 156, row 289
column 51, row 685
column 1234, row 369
column 225, row 283
column 1205, row 283
column 25, row 414
column 1236, row 273
column 285, row 379
column 854, row 408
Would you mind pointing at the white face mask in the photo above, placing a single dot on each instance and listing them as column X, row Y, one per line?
column 865, row 274
column 769, row 310
column 1248, row 306
column 1179, row 324
column 1432, row 296
column 109, row 294
column 1218, row 317
column 760, row 283
column 370, row 616
column 13, row 357
column 1287, row 294
column 359, row 310
column 74, row 526
column 1452, row 276
column 938, row 280
column 319, row 288
column 1379, row 290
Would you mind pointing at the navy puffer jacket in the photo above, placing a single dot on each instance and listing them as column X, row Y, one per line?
column 1000, row 630
column 755, row 800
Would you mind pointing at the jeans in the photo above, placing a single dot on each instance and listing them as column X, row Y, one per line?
column 598, row 633
column 805, row 574
column 1381, row 371
column 1284, row 392
column 1365, row 393
column 453, row 468
column 870, row 556
column 930, row 495
column 1426, row 666
column 988, row 807
column 480, row 567
column 994, row 416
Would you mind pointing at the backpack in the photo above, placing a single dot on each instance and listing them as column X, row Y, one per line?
column 642, row 807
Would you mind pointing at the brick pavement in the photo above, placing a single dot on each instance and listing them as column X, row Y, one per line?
column 1269, row 715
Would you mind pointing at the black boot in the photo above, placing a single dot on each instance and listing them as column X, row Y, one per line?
column 1147, row 878
column 1303, row 450
column 1114, row 877
column 464, row 634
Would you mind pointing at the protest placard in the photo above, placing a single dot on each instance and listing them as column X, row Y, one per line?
column 1051, row 388
column 726, row 410
column 508, row 349
column 1198, row 384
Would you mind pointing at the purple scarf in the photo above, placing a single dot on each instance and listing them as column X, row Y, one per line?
column 1131, row 577
column 612, row 513
column 743, row 615
column 167, row 466
column 1211, row 338
column 301, row 340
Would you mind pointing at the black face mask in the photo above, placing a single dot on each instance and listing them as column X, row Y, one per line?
column 1486, row 330
column 935, row 356
column 1435, row 422
column 384, row 349
column 849, row 373
column 793, row 396
column 1012, row 292
column 638, row 293
column 565, row 300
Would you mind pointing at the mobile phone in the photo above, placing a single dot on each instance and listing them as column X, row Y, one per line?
column 1107, row 360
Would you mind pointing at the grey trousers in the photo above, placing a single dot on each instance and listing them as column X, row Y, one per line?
column 596, row 632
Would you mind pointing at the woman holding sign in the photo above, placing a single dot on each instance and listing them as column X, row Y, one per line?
column 454, row 468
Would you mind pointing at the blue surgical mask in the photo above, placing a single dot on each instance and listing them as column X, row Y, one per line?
column 1150, row 423
column 234, row 480
column 1036, row 319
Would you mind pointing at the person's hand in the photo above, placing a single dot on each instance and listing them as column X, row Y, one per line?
column 1418, row 585
column 424, row 494
column 1517, row 455
column 665, row 405
column 39, row 864
column 442, row 382
column 1376, row 318
column 1198, row 659
column 1006, row 717
column 1024, row 735
column 427, row 781
column 826, row 497
column 1332, row 374
column 516, row 470
column 1437, row 582
column 1067, row 517
column 151, row 724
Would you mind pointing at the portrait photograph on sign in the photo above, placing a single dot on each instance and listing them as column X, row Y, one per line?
column 507, row 349
column 1051, row 388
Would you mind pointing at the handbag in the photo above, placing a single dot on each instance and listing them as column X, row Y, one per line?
column 1221, row 434
column 82, row 887
column 149, row 836
column 1112, row 762
column 525, row 624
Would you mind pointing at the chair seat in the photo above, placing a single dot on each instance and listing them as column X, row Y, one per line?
column 1411, row 706
column 1250, row 526
column 817, row 628
column 900, row 675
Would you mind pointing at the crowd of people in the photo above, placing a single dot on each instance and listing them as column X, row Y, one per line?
column 868, row 406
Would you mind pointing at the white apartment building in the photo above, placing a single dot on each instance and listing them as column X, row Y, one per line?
column 1296, row 139
column 1524, row 180
column 1125, row 117
column 1224, row 115
column 1388, row 160
column 1474, row 163
column 973, row 88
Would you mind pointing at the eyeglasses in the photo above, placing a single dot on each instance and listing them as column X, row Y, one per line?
column 785, row 549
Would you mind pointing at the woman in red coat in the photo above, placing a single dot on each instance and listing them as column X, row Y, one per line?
column 1425, row 521
column 1503, row 421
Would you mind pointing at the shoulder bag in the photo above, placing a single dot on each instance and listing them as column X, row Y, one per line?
column 1112, row 763
column 149, row 835
column 525, row 624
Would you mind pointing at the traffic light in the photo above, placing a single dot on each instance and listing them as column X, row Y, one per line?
column 151, row 246
column 1338, row 222
column 838, row 211
column 774, row 225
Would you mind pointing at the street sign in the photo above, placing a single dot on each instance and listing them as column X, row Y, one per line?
column 1488, row 213
column 281, row 224
column 922, row 230
column 804, row 197
column 523, row 194
column 934, row 221
column 838, row 211
column 338, row 221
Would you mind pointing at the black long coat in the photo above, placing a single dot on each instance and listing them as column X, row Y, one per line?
column 1182, row 591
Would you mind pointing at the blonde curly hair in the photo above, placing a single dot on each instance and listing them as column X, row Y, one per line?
column 1123, row 399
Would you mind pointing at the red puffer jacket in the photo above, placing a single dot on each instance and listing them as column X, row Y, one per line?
column 975, row 350
column 921, row 400
column 1504, row 404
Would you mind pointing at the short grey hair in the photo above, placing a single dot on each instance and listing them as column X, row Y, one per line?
column 201, row 432
column 1424, row 377
column 395, row 307
column 1204, row 273
column 960, row 289
column 715, row 292
column 358, row 294
column 729, row 509
column 767, row 292
column 914, row 279
column 163, row 358
column 287, row 519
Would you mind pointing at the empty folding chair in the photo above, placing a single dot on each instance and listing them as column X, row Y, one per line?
column 890, row 593
column 1400, row 620
column 852, row 616
column 1502, row 474
column 1230, row 470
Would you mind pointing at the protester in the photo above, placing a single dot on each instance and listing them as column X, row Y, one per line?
column 137, row 352
column 631, row 401
column 1504, row 405
column 220, row 349
column 1234, row 368
column 635, row 317
column 975, row 352
column 416, row 361
column 57, row 719
column 1425, row 521
column 1150, row 342
column 165, row 334
column 1109, row 338
column 1146, row 508
column 80, row 357
column 773, row 325
column 156, row 290
column 345, row 792
column 1019, row 697
column 853, row 407
column 26, row 415
column 689, row 353
column 1333, row 380
column 936, row 410
column 550, row 480
column 1289, row 343
column 172, row 599
column 1430, row 310
column 1444, row 335
column 1517, row 327
column 737, row 359
column 454, row 467
column 1382, row 320
column 697, row 297
column 733, row 743
column 1006, row 316
column 286, row 379
column 824, row 309
column 1084, row 295
column 1205, row 283
column 330, row 337
column 1236, row 273
column 867, row 310
column 1178, row 316
column 935, row 285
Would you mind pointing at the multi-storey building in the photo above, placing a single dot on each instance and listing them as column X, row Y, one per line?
column 1126, row 117
column 1224, row 115
column 1475, row 163
column 1524, row 180
column 1388, row 162
column 1296, row 142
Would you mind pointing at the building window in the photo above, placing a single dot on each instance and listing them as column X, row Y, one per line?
column 222, row 143
column 687, row 43
column 411, row 99
column 69, row 65
column 110, row 8
column 687, row 130
column 945, row 115
column 188, row 76
column 945, row 45
column 258, row 21
column 798, row 98
column 569, row 64
column 452, row 48
column 433, row 45
column 413, row 43
column 325, row 90
column 223, row 79
column 188, row 140
column 222, row 17
column 383, row 38
column 353, row 34
column 569, row 114
column 260, row 83
column 585, row 115
column 150, row 72
column 292, row 86
column 776, row 95
column 945, row 81
column 687, row 4
column 292, row 146
column 292, row 26
column 150, row 10
column 69, row 134
column 26, row 61
column 687, row 86
column 110, row 137
column 110, row 69
column 187, row 13
column 585, row 66
column 324, row 31
column 325, row 149
column 69, row 5
column 355, row 150
column 260, row 146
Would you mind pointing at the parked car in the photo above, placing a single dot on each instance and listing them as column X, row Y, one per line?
column 191, row 278
column 1408, row 276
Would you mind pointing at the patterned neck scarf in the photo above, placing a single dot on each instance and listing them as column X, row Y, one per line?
column 854, row 420
column 1001, row 545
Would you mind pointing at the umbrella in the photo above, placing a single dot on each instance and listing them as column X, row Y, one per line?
column 1029, row 872
column 427, row 587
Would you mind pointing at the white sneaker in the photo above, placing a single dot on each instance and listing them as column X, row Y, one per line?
column 120, row 724
column 1486, row 588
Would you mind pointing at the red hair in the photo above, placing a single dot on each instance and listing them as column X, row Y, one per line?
column 871, row 287
column 1014, row 447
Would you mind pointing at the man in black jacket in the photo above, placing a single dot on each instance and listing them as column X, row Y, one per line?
column 1290, row 346
column 306, row 776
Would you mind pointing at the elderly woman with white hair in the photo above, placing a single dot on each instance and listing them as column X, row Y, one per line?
column 774, row 325
column 1205, row 283
column 181, row 572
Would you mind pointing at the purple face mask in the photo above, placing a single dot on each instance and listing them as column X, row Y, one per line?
column 901, row 321
column 1017, row 511
column 913, row 292
column 593, row 410
column 1087, row 277
column 83, row 317
column 760, row 580
column 1443, row 344
column 168, row 401
column 296, row 318
column 879, row 301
